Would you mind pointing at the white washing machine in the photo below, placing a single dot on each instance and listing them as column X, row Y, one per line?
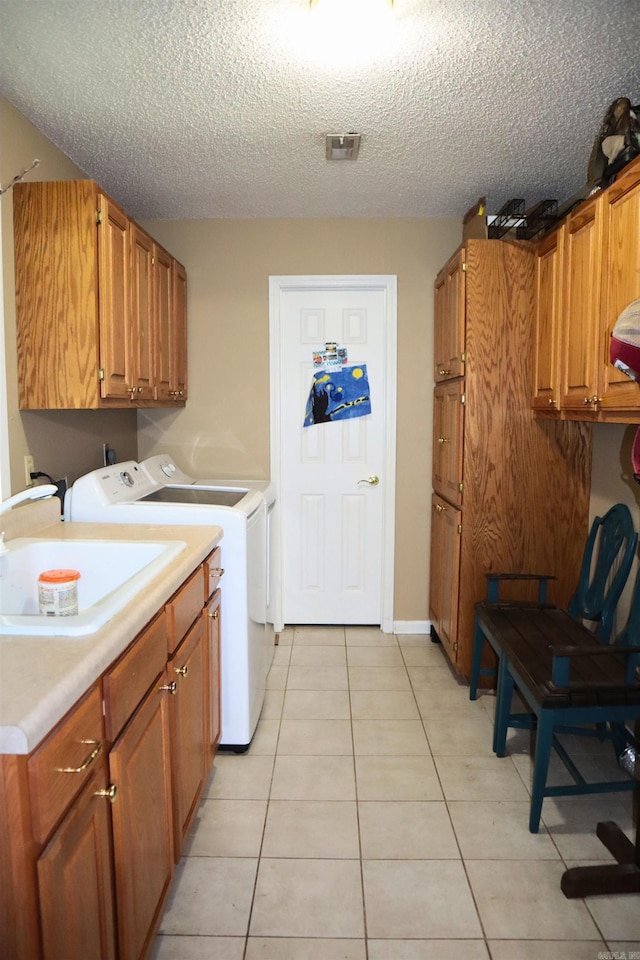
column 157, row 492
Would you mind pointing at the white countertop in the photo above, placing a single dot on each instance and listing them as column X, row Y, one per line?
column 41, row 678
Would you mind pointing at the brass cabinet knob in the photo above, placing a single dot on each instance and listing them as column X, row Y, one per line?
column 444, row 373
column 551, row 402
column 111, row 793
column 182, row 671
column 439, row 508
column 87, row 763
column 214, row 615
column 171, row 687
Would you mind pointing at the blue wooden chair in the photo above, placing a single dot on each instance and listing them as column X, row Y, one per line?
column 606, row 563
column 575, row 684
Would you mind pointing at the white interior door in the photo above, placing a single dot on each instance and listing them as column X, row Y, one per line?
column 336, row 480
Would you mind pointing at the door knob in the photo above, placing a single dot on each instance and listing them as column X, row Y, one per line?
column 373, row 481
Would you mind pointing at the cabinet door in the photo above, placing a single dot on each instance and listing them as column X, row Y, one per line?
column 212, row 614
column 142, row 333
column 189, row 727
column 581, row 310
column 140, row 768
column 444, row 573
column 448, row 427
column 449, row 320
column 75, row 881
column 113, row 297
column 162, row 308
column 179, row 331
column 549, row 274
column 620, row 281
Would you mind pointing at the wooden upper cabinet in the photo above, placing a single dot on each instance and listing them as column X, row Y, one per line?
column 620, row 209
column 581, row 310
column 142, row 316
column 163, row 326
column 113, row 300
column 179, row 332
column 449, row 320
column 86, row 296
column 587, row 273
column 546, row 369
column 56, row 278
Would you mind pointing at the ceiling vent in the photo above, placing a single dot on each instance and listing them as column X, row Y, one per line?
column 342, row 146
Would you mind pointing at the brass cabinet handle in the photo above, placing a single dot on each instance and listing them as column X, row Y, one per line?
column 83, row 766
column 590, row 400
column 171, row 687
column 216, row 572
column 215, row 614
column 111, row 793
column 182, row 671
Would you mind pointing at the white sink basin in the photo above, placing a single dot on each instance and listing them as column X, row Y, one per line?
column 112, row 572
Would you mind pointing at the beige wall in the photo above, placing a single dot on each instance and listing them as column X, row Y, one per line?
column 64, row 442
column 224, row 429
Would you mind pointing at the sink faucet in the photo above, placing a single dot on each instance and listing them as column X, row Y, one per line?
column 31, row 493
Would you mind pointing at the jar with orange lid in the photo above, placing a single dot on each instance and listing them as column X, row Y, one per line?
column 58, row 593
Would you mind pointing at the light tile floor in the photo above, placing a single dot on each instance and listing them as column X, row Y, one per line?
column 370, row 820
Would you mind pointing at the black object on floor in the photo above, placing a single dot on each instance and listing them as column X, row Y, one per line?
column 620, row 877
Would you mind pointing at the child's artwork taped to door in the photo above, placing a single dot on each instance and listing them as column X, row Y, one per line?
column 338, row 395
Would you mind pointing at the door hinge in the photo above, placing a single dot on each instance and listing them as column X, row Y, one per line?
column 454, row 647
column 463, row 399
column 461, row 487
column 459, row 528
column 98, row 217
column 464, row 267
column 101, row 373
column 153, row 261
column 463, row 357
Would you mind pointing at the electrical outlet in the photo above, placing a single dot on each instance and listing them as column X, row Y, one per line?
column 28, row 470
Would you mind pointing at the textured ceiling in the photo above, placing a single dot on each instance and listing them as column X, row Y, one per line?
column 218, row 108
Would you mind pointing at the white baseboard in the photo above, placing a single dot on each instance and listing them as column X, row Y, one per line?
column 412, row 626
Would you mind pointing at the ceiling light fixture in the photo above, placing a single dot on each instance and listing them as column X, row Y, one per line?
column 342, row 146
column 314, row 3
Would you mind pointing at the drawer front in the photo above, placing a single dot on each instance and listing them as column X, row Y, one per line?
column 128, row 681
column 213, row 572
column 183, row 609
column 61, row 766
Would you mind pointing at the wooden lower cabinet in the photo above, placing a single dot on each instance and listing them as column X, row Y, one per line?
column 189, row 670
column 75, row 881
column 445, row 566
column 93, row 820
column 140, row 768
column 213, row 616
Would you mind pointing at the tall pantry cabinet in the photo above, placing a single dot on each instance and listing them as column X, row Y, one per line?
column 510, row 492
